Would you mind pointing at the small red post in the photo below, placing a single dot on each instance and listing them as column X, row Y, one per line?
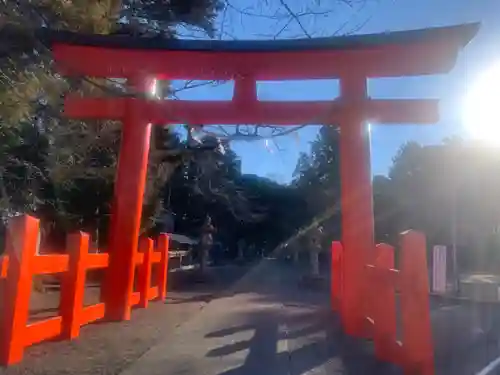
column 4, row 266
column 73, row 286
column 22, row 239
column 336, row 277
column 163, row 244
column 417, row 330
column 146, row 248
column 384, row 304
column 127, row 208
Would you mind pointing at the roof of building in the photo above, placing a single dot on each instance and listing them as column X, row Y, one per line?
column 180, row 238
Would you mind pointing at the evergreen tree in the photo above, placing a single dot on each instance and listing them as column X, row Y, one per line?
column 70, row 185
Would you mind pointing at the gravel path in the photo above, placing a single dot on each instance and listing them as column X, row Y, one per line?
column 260, row 323
column 108, row 348
column 268, row 325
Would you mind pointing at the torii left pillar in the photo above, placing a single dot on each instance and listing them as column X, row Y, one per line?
column 127, row 206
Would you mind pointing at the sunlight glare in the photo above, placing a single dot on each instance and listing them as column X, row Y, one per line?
column 154, row 88
column 481, row 114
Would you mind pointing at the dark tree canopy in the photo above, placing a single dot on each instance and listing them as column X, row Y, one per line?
column 62, row 170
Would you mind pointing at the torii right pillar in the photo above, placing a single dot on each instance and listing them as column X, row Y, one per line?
column 356, row 202
column 432, row 52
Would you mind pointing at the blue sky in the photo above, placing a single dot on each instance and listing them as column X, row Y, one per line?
column 278, row 160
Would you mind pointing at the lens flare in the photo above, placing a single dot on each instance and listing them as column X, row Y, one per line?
column 481, row 115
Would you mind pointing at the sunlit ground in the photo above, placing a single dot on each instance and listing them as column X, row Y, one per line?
column 481, row 114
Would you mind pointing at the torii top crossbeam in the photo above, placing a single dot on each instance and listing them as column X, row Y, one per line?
column 418, row 52
column 426, row 51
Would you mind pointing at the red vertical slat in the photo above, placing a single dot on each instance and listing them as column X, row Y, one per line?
column 73, row 286
column 384, row 303
column 4, row 266
column 146, row 247
column 163, row 245
column 22, row 238
column 417, row 332
column 336, row 277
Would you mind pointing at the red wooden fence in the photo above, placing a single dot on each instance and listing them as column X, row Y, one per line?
column 414, row 353
column 21, row 263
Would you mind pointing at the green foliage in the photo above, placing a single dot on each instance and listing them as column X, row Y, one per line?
column 317, row 178
column 387, row 221
column 427, row 186
column 430, row 187
column 22, row 172
column 163, row 15
column 60, row 170
column 282, row 207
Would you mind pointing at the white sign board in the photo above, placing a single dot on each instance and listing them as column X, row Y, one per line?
column 439, row 269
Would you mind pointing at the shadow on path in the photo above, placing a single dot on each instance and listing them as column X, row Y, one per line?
column 289, row 330
column 307, row 343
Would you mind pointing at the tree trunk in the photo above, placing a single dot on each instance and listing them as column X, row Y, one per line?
column 241, row 253
column 203, row 259
column 314, row 262
column 296, row 255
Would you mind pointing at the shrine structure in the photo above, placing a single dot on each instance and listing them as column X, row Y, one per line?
column 350, row 59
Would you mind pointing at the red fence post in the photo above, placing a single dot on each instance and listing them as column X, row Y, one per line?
column 418, row 357
column 336, row 276
column 384, row 304
column 74, row 285
column 163, row 244
column 22, row 239
column 146, row 248
column 4, row 266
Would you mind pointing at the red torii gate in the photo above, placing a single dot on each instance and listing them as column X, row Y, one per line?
column 351, row 59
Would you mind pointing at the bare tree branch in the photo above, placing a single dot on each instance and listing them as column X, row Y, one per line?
column 254, row 135
column 290, row 20
column 295, row 17
column 280, row 16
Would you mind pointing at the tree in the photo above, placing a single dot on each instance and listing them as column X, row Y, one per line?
column 386, row 210
column 448, row 191
column 241, row 206
column 163, row 15
column 317, row 178
column 79, row 159
column 281, row 211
